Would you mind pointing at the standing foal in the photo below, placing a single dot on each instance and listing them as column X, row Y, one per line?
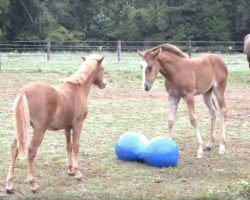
column 184, row 78
column 44, row 106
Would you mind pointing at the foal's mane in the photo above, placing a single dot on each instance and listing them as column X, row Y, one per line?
column 246, row 36
column 85, row 70
column 170, row 48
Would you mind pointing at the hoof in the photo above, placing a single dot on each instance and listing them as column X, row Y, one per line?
column 9, row 190
column 200, row 152
column 222, row 149
column 71, row 173
column 207, row 148
column 78, row 176
column 35, row 189
column 221, row 152
column 199, row 156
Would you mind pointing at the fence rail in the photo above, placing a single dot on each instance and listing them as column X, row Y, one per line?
column 189, row 46
column 48, row 49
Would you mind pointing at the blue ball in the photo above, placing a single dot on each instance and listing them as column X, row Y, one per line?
column 161, row 152
column 129, row 146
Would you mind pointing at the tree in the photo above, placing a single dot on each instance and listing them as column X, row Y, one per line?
column 25, row 20
column 124, row 19
column 100, row 26
column 242, row 20
column 3, row 17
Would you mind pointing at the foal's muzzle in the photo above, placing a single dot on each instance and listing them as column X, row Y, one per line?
column 147, row 86
column 103, row 84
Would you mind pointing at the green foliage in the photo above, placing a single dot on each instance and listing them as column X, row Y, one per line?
column 242, row 18
column 3, row 17
column 1, row 34
column 100, row 26
column 134, row 24
column 62, row 34
column 26, row 36
column 126, row 20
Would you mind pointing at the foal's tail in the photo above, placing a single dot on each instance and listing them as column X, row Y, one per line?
column 21, row 116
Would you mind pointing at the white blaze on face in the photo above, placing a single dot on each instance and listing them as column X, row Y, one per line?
column 104, row 81
column 144, row 65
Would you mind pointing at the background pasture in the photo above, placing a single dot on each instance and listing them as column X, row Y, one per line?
column 124, row 106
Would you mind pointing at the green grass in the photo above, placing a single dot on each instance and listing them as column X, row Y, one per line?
column 120, row 107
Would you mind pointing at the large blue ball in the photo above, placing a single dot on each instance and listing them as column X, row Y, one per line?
column 161, row 152
column 129, row 146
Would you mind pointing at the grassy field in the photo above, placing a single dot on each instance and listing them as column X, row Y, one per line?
column 120, row 107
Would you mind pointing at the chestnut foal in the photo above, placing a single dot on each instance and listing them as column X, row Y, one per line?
column 44, row 106
column 184, row 78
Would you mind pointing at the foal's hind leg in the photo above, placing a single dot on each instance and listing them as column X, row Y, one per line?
column 68, row 136
column 219, row 93
column 33, row 147
column 10, row 176
column 209, row 103
column 193, row 120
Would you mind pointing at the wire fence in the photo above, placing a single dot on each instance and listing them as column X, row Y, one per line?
column 123, row 52
column 193, row 46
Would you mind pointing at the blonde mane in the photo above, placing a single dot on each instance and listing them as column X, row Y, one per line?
column 85, row 70
column 170, row 48
column 246, row 37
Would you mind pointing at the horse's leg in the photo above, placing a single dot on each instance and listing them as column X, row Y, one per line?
column 248, row 59
column 193, row 120
column 76, row 143
column 173, row 105
column 10, row 176
column 209, row 103
column 219, row 93
column 33, row 147
column 68, row 136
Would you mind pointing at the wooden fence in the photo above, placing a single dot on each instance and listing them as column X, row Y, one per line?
column 50, row 46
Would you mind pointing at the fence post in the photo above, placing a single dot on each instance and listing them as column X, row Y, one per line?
column 119, row 50
column 189, row 43
column 48, row 49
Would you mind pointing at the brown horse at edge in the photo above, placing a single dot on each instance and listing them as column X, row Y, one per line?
column 44, row 106
column 247, row 48
column 184, row 78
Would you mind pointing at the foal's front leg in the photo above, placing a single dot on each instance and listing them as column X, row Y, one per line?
column 68, row 136
column 193, row 120
column 173, row 102
column 77, row 127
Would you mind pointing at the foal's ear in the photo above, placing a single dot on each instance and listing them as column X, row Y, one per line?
column 142, row 54
column 83, row 58
column 100, row 60
column 156, row 52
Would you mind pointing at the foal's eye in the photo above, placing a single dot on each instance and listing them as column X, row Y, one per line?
column 150, row 68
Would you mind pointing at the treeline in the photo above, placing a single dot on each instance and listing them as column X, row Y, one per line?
column 63, row 20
